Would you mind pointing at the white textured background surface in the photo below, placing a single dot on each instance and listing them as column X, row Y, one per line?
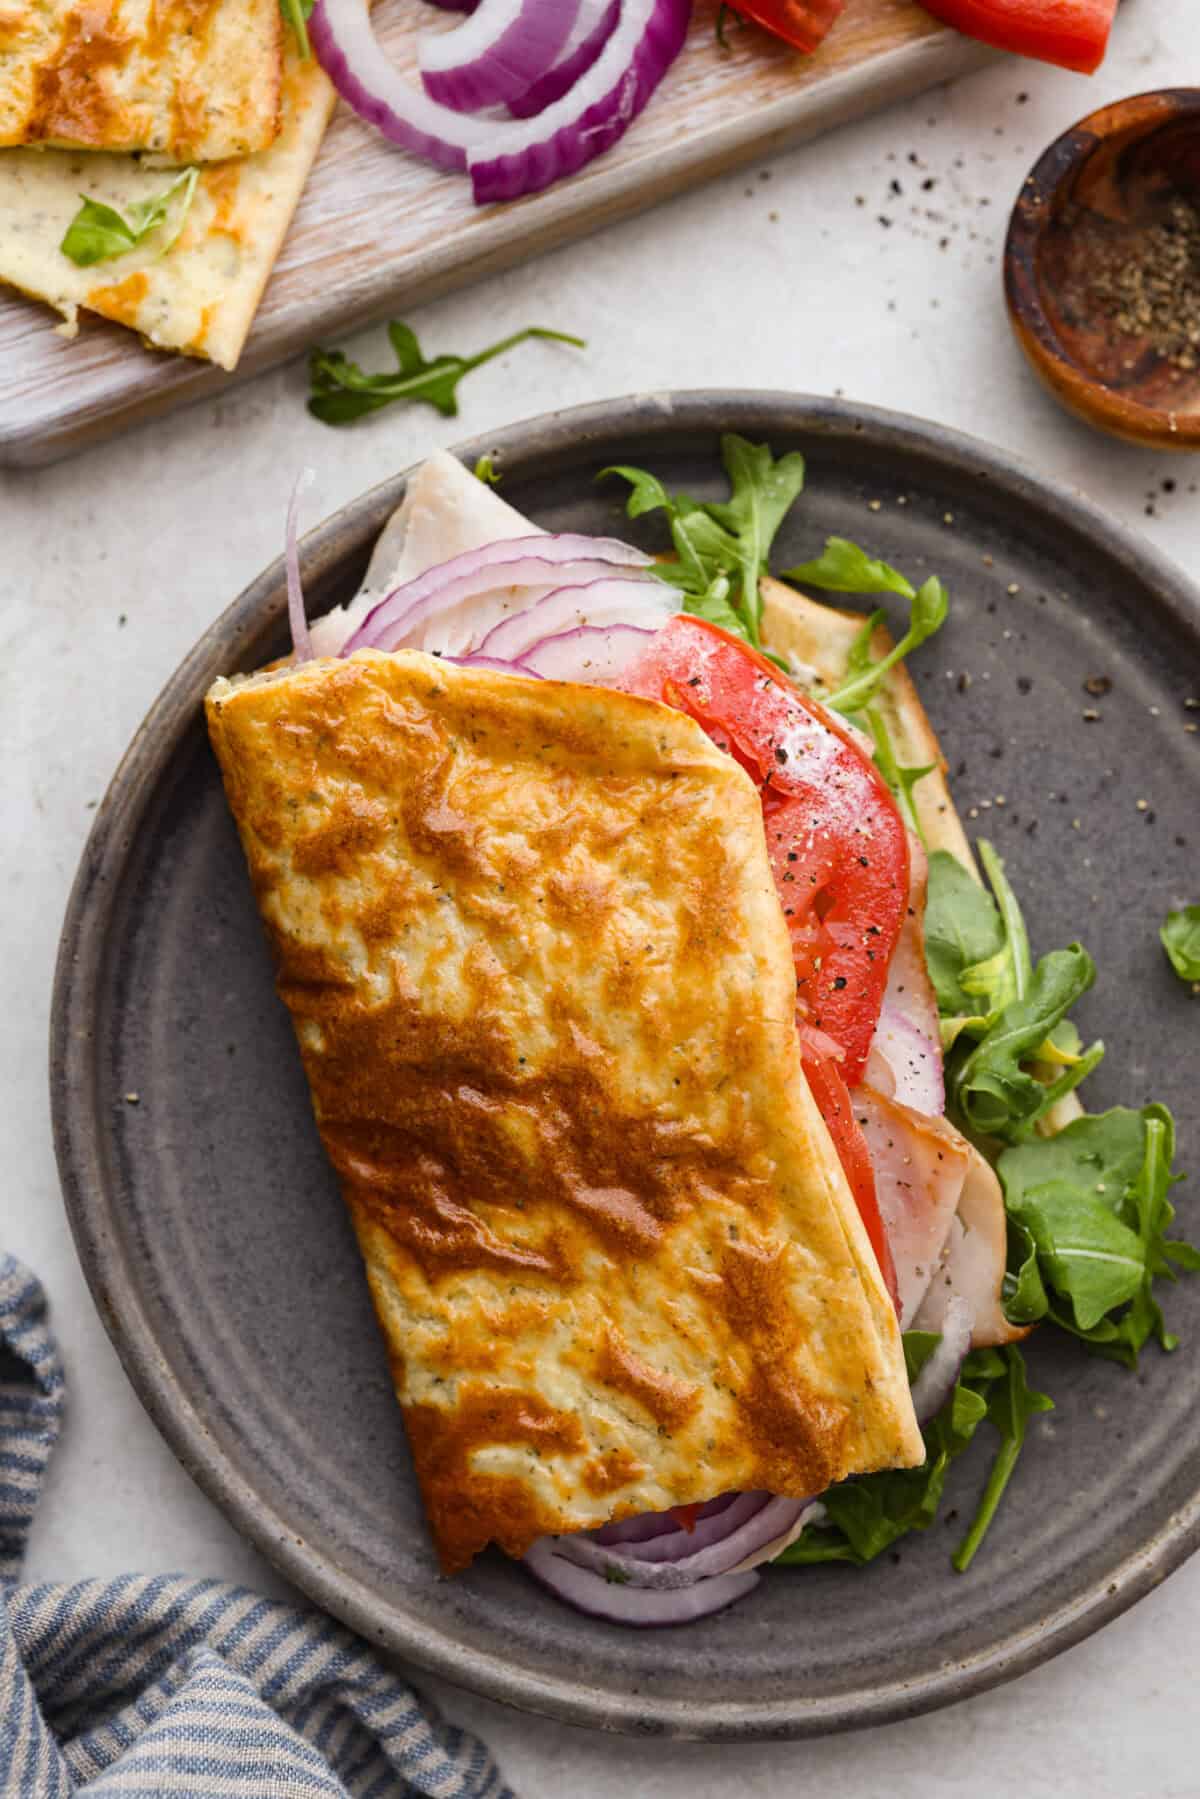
column 112, row 564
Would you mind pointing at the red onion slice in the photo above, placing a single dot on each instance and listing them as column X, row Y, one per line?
column 751, row 1524
column 492, row 662
column 591, row 1593
column 593, row 114
column 656, row 1524
column 595, row 24
column 506, row 158
column 302, row 650
column 607, row 601
column 935, row 1383
column 677, row 1544
column 497, row 54
column 594, row 655
column 392, row 624
column 914, row 1060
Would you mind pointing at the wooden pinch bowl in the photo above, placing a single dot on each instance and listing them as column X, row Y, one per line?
column 1121, row 172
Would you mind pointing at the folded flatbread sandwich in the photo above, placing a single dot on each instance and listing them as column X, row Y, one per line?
column 531, row 938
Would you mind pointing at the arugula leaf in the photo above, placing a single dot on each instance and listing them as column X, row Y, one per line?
column 900, row 780
column 990, row 1088
column 485, row 470
column 722, row 547
column 1004, row 1025
column 762, row 492
column 296, row 13
column 1087, row 1254
column 1180, row 937
column 98, row 233
column 928, row 614
column 342, row 392
column 1089, row 1211
column 867, row 1514
column 1010, row 1406
column 843, row 568
column 962, row 930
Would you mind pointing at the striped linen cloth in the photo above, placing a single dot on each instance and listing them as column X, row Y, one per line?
column 180, row 1689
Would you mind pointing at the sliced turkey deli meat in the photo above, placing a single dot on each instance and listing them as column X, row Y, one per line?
column 544, row 995
column 972, row 1261
column 920, row 1166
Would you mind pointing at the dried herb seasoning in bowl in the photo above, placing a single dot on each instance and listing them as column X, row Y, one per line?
column 1102, row 268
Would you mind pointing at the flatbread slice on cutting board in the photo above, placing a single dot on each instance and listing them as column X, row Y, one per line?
column 192, row 80
column 201, row 296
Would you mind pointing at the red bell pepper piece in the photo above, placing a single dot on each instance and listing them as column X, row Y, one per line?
column 1071, row 33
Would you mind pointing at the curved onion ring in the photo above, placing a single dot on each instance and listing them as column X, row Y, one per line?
column 497, row 54
column 496, row 567
column 593, row 28
column 600, row 1598
column 591, row 654
column 297, row 617
column 754, row 1521
column 506, row 158
column 608, row 601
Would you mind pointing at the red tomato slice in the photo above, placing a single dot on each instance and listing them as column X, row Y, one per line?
column 833, row 1100
column 686, row 1515
column 800, row 22
column 1071, row 33
column 838, row 851
column 838, row 848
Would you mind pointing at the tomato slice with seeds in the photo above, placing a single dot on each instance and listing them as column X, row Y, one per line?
column 837, row 844
column 833, row 1101
column 838, row 851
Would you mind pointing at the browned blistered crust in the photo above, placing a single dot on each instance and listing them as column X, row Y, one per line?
column 544, row 994
column 189, row 79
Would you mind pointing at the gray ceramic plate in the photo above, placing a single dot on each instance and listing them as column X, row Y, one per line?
column 212, row 1232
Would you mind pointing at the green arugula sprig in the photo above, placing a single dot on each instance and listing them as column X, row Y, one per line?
column 867, row 1514
column 1088, row 1208
column 296, row 14
column 844, row 568
column 1002, row 1017
column 722, row 547
column 99, row 233
column 1088, row 1216
column 343, row 392
column 902, row 781
column 1180, row 937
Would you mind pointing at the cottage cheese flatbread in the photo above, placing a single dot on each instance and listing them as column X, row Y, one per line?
column 201, row 296
column 194, row 80
column 544, row 994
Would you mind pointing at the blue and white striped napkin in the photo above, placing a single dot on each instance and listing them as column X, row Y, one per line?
column 184, row 1689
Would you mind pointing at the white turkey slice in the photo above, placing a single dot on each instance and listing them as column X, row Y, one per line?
column 971, row 1266
column 920, row 1166
column 445, row 512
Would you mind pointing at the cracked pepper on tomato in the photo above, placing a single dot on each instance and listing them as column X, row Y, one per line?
column 838, row 850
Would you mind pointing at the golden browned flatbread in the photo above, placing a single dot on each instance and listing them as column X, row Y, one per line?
column 192, row 80
column 200, row 296
column 544, row 994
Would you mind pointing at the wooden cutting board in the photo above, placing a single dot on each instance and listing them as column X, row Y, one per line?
column 377, row 231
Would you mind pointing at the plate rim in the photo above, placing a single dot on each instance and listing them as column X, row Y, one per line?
column 79, row 1129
